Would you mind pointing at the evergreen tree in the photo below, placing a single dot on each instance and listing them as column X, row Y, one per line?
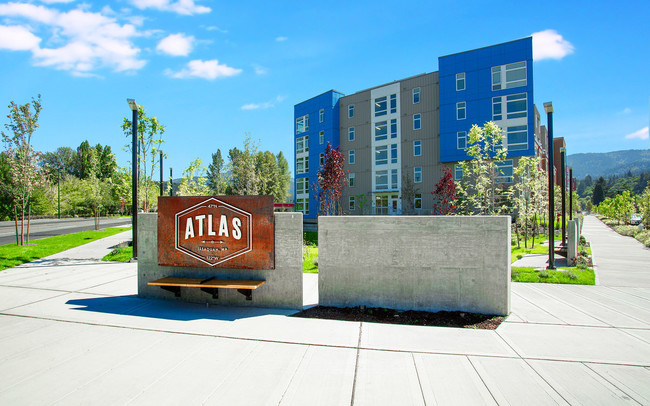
column 216, row 178
column 598, row 194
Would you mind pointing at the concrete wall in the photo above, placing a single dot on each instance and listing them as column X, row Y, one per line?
column 283, row 287
column 416, row 262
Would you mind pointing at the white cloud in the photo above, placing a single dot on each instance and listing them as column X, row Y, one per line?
column 215, row 28
column 176, row 44
column 281, row 39
column 642, row 134
column 17, row 38
column 626, row 110
column 204, row 69
column 260, row 70
column 56, row 1
column 263, row 106
column 90, row 40
column 548, row 44
column 185, row 7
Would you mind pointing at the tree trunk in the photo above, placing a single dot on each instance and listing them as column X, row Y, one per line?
column 29, row 218
column 22, row 225
column 525, row 232
column 534, row 230
column 16, row 222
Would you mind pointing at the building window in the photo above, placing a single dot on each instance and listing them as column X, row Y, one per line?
column 351, row 178
column 381, row 155
column 351, row 111
column 302, row 186
column 497, row 111
column 322, row 159
column 381, row 180
column 351, row 157
column 505, row 171
column 416, row 121
column 321, row 137
column 416, row 95
column 417, row 174
column 393, row 153
column 516, row 105
column 302, row 165
column 393, row 103
column 352, row 205
column 517, row 138
column 381, row 131
column 460, row 81
column 417, row 148
column 321, row 115
column 381, row 106
column 460, row 111
column 351, row 134
column 302, row 124
column 458, row 172
column 393, row 179
column 513, row 73
column 302, row 144
column 417, row 201
column 461, row 139
column 302, row 205
column 393, row 128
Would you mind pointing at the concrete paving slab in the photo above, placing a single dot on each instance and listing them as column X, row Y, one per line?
column 631, row 380
column 13, row 297
column 641, row 334
column 206, row 367
column 268, row 371
column 575, row 343
column 324, row 377
column 439, row 340
column 96, row 249
column 628, row 305
column 560, row 309
column 578, row 384
column 527, row 311
column 451, row 380
column 387, row 378
column 514, row 382
column 121, row 287
column 643, row 293
column 310, row 289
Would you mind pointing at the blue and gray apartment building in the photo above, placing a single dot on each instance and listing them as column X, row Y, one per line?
column 414, row 127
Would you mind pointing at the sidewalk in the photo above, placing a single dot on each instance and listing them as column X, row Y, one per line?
column 77, row 334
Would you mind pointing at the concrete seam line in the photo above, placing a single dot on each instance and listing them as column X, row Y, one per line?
column 540, row 291
column 295, row 373
column 417, row 373
column 487, row 387
column 604, row 377
column 543, row 378
column 547, row 312
column 356, row 364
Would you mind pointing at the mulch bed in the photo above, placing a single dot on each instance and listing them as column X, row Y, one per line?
column 409, row 317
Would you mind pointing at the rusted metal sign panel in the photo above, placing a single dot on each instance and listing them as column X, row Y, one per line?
column 216, row 231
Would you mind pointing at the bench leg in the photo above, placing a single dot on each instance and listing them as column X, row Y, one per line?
column 213, row 291
column 176, row 290
column 246, row 292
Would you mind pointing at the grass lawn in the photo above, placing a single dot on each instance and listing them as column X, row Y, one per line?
column 12, row 255
column 569, row 274
column 120, row 254
column 310, row 252
column 518, row 253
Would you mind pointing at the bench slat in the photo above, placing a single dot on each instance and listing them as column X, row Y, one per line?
column 203, row 283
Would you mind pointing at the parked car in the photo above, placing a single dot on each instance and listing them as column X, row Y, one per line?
column 635, row 220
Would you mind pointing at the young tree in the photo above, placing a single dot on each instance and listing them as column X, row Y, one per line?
column 266, row 168
column 194, row 182
column 22, row 160
column 150, row 133
column 445, row 194
column 216, row 178
column 526, row 192
column 408, row 194
column 283, row 179
column 332, row 178
column 479, row 188
column 599, row 192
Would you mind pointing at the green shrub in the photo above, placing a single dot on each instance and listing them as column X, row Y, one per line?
column 543, row 274
column 570, row 274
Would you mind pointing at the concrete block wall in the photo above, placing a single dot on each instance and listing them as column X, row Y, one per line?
column 427, row 263
column 283, row 287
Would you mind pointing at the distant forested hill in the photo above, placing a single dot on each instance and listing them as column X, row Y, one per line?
column 607, row 164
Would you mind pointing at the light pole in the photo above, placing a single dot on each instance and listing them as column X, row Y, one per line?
column 58, row 186
column 570, row 193
column 134, row 175
column 563, row 185
column 548, row 107
column 171, row 182
column 161, row 173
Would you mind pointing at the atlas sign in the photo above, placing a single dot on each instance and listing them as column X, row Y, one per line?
column 224, row 231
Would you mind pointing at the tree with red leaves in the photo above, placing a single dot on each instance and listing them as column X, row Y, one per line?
column 332, row 178
column 445, row 194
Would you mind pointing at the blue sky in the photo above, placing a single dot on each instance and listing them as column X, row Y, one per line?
column 212, row 71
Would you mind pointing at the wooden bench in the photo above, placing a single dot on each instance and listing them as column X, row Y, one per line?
column 210, row 285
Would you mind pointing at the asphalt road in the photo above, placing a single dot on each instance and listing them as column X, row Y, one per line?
column 50, row 227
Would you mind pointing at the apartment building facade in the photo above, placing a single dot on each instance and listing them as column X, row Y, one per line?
column 398, row 137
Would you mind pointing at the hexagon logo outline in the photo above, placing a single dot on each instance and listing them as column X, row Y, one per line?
column 249, row 233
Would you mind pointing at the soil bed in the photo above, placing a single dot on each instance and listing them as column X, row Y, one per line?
column 409, row 317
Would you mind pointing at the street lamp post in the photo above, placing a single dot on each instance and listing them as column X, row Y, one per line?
column 548, row 107
column 161, row 173
column 570, row 193
column 58, row 186
column 134, row 175
column 563, row 185
column 171, row 182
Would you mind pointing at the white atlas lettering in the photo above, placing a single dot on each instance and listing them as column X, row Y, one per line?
column 189, row 229
column 236, row 230
column 210, row 230
column 223, row 226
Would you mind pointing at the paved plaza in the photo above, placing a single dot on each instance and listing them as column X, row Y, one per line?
column 73, row 331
